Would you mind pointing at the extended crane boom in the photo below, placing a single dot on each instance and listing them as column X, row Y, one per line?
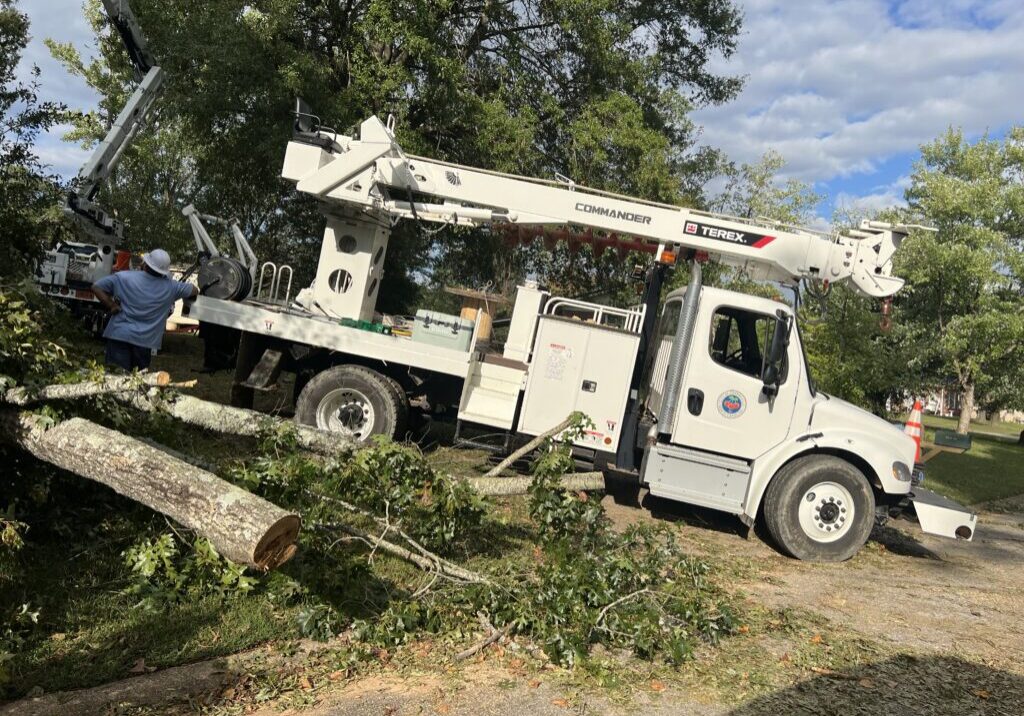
column 372, row 171
column 89, row 216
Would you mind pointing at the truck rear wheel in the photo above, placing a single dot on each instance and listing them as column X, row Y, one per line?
column 402, row 423
column 352, row 400
column 819, row 508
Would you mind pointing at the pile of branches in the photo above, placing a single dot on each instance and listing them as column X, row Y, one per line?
column 582, row 583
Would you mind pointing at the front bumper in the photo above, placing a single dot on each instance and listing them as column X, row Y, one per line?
column 941, row 516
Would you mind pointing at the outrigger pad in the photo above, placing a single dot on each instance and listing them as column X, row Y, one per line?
column 941, row 516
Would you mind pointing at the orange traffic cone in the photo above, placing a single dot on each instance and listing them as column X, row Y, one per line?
column 914, row 429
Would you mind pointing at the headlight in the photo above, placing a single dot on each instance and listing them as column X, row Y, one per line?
column 901, row 472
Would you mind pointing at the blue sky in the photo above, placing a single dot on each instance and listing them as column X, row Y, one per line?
column 846, row 90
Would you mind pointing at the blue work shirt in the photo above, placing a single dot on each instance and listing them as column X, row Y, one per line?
column 146, row 301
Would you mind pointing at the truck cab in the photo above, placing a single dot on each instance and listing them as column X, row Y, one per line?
column 745, row 432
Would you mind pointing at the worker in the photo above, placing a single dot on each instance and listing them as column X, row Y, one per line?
column 139, row 303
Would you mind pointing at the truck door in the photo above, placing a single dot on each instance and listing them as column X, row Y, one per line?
column 723, row 406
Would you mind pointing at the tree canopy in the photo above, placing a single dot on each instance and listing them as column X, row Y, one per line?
column 965, row 283
column 593, row 89
column 28, row 192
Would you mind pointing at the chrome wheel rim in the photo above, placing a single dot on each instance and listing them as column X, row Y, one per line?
column 347, row 411
column 826, row 512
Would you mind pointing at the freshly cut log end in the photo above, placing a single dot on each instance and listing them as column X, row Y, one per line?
column 278, row 544
column 241, row 526
column 161, row 378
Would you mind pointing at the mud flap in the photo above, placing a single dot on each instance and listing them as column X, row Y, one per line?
column 941, row 516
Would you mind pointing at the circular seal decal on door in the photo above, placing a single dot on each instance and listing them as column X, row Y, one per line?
column 731, row 404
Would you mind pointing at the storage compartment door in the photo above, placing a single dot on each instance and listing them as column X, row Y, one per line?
column 579, row 366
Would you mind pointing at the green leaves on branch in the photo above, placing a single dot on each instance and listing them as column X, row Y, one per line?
column 30, row 348
column 633, row 590
column 29, row 193
column 392, row 480
column 161, row 572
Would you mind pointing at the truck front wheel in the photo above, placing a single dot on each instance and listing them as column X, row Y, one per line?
column 352, row 400
column 819, row 508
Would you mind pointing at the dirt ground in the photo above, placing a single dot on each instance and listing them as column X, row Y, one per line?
column 942, row 626
column 907, row 588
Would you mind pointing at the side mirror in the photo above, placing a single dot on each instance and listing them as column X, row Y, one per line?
column 771, row 375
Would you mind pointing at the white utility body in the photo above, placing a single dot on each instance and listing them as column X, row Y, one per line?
column 704, row 397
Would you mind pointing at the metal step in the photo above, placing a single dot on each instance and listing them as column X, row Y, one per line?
column 264, row 375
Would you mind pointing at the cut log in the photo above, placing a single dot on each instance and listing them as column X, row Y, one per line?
column 239, row 421
column 497, row 486
column 241, row 526
column 85, row 389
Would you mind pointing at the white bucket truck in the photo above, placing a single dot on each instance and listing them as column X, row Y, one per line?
column 704, row 398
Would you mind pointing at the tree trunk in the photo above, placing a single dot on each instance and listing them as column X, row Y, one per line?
column 85, row 389
column 966, row 408
column 241, row 526
column 495, row 486
column 240, row 421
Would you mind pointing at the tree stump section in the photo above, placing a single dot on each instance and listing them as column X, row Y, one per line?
column 241, row 526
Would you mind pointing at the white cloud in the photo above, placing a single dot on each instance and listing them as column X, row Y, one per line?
column 64, row 158
column 839, row 86
column 63, row 21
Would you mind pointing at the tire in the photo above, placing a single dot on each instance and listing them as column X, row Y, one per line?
column 402, row 423
column 352, row 400
column 819, row 508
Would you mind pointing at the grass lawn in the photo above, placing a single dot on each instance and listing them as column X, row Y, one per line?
column 990, row 470
column 995, row 427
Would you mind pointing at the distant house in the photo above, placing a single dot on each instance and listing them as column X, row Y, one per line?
column 946, row 403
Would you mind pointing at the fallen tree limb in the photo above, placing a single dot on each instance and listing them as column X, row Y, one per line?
column 418, row 555
column 85, row 389
column 498, row 486
column 241, row 526
column 492, row 637
column 529, row 447
column 238, row 421
column 429, row 562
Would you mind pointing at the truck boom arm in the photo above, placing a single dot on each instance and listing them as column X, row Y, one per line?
column 80, row 205
column 372, row 171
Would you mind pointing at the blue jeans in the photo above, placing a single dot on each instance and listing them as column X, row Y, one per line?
column 127, row 356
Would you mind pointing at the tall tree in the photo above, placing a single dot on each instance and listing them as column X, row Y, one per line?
column 598, row 89
column 757, row 191
column 28, row 192
column 966, row 283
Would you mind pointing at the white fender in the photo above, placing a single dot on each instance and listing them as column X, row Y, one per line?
column 878, row 453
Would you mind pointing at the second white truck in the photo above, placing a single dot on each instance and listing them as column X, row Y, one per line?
column 704, row 397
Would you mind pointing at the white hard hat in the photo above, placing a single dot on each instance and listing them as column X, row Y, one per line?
column 158, row 260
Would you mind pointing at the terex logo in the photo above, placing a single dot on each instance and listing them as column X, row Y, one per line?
column 716, row 232
column 612, row 213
